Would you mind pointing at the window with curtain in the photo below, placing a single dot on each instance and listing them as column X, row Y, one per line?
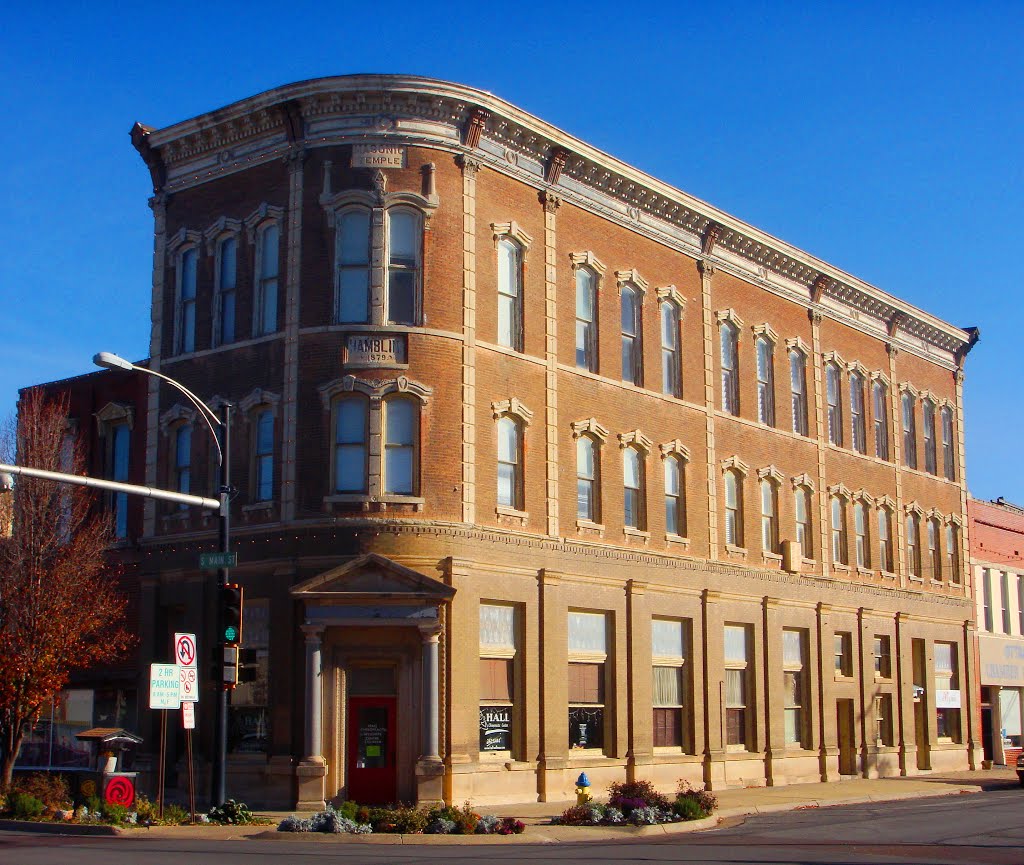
column 263, row 457
column 352, row 283
column 633, row 488
column 120, row 439
column 953, row 553
column 765, row 380
column 733, row 509
column 510, row 294
column 675, row 495
column 187, row 264
column 858, row 430
column 914, row 544
column 671, row 369
column 267, row 249
column 586, row 319
column 632, row 348
column 737, row 687
column 669, row 692
column 499, row 717
column 587, row 484
column 835, row 408
column 401, row 422
column 840, row 554
column 803, row 509
column 404, row 235
column 510, row 463
column 798, row 390
column 885, row 561
column 794, row 666
column 588, row 655
column 860, row 531
column 946, row 679
column 350, row 450
column 928, row 422
column 909, row 430
column 948, row 464
column 769, row 516
column 227, row 269
column 729, row 337
column 883, row 659
column 880, row 399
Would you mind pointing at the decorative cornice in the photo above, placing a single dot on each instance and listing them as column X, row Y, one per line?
column 259, row 397
column 674, row 447
column 673, row 294
column 587, row 259
column 261, row 214
column 112, row 413
column 772, row 473
column 636, row 439
column 730, row 316
column 737, row 464
column 798, row 343
column 802, row 480
column 839, row 490
column 631, row 277
column 511, row 229
column 513, row 406
column 220, row 227
column 588, row 426
column 181, row 238
column 765, row 330
column 374, row 389
column 175, row 415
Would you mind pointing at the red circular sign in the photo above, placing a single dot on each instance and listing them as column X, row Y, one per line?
column 120, row 791
column 185, row 651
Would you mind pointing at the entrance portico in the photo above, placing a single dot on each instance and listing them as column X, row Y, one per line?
column 373, row 717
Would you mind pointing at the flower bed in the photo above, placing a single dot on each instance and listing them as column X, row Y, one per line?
column 351, row 818
column 637, row 803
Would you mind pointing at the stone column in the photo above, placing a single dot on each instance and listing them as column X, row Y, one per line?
column 429, row 767
column 775, row 706
column 970, row 688
column 828, row 742
column 707, row 270
column 312, row 770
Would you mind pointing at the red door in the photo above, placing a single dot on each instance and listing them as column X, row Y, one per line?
column 372, row 738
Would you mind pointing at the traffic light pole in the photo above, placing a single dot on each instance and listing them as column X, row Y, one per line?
column 220, row 745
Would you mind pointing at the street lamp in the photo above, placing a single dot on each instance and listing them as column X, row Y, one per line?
column 220, row 430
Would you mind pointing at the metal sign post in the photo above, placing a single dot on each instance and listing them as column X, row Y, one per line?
column 164, row 693
column 187, row 655
column 188, row 721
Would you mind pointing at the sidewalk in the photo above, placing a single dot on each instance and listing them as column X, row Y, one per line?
column 732, row 805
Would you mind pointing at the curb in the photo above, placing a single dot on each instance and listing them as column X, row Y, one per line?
column 39, row 828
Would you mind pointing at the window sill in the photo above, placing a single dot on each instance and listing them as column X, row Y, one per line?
column 812, row 562
column 368, row 502
column 771, row 558
column 512, row 513
column 677, row 540
column 883, row 679
column 734, row 552
column 865, row 572
column 258, row 506
column 590, row 527
column 630, row 532
column 914, row 578
column 888, row 575
column 842, row 677
column 839, row 566
column 935, row 582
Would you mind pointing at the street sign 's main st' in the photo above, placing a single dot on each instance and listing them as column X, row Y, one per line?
column 213, row 561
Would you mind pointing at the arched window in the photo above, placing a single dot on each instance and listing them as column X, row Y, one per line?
column 352, row 285
column 187, row 265
column 263, row 457
column 632, row 352
column 840, row 553
column 880, row 399
column 835, row 407
column 804, row 524
column 587, row 481
column 948, row 463
column 914, row 544
column 401, row 433
column 350, row 440
column 404, row 235
column 934, row 553
column 510, row 294
column 268, row 242
column 928, row 417
column 227, row 269
column 885, row 540
column 120, row 436
column 798, row 390
column 858, row 429
column 183, row 459
column 510, row 463
column 953, row 556
column 769, row 516
column 733, row 508
column 586, row 319
column 861, row 527
column 909, row 430
column 633, row 488
column 729, row 335
column 765, row 380
column 671, row 369
column 675, row 495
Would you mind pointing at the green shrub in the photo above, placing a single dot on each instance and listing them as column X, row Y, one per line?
column 688, row 809
column 589, row 814
column 115, row 814
column 397, row 819
column 705, row 799
column 145, row 809
column 175, row 815
column 628, row 795
column 231, row 813
column 348, row 810
column 26, row 807
column 50, row 789
column 93, row 804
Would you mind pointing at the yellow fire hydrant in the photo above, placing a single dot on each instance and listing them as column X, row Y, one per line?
column 582, row 789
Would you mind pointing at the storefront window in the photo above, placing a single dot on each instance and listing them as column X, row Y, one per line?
column 249, row 717
column 588, row 654
column 497, row 678
column 947, row 693
column 669, row 697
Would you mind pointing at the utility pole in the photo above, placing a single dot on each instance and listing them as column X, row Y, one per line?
column 220, row 724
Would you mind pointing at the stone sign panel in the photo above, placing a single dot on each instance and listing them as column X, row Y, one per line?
column 377, row 156
column 368, row 350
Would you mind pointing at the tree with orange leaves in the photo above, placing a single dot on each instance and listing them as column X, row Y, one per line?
column 59, row 604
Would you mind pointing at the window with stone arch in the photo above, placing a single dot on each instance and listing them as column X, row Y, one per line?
column 510, row 294
column 115, row 422
column 948, row 458
column 259, row 409
column 586, row 316
column 913, row 528
column 858, row 421
column 837, row 509
column 834, row 402
column 798, row 388
column 630, row 300
column 908, row 403
column 351, row 414
column 670, row 307
column 803, row 509
column 928, row 425
column 953, row 553
column 769, row 490
column 352, row 265
column 510, row 462
column 634, row 514
column 185, row 319
column 934, row 548
column 733, row 483
column 401, row 435
column 764, row 350
column 225, row 288
column 588, row 478
column 674, row 457
column 176, row 425
column 729, row 360
column 880, row 412
column 404, row 256
column 267, row 277
column 884, row 535
column 862, row 531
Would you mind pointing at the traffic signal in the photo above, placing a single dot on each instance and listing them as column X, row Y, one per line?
column 248, row 669
column 230, row 615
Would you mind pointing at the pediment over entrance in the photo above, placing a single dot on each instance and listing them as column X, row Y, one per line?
column 373, row 577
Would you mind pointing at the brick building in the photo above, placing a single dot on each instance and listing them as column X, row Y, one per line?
column 543, row 465
column 997, row 542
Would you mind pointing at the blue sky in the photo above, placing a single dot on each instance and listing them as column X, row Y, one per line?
column 886, row 138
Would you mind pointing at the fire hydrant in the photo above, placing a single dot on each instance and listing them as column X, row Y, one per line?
column 582, row 789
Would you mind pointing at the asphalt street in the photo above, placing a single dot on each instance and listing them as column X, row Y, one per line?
column 979, row 829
